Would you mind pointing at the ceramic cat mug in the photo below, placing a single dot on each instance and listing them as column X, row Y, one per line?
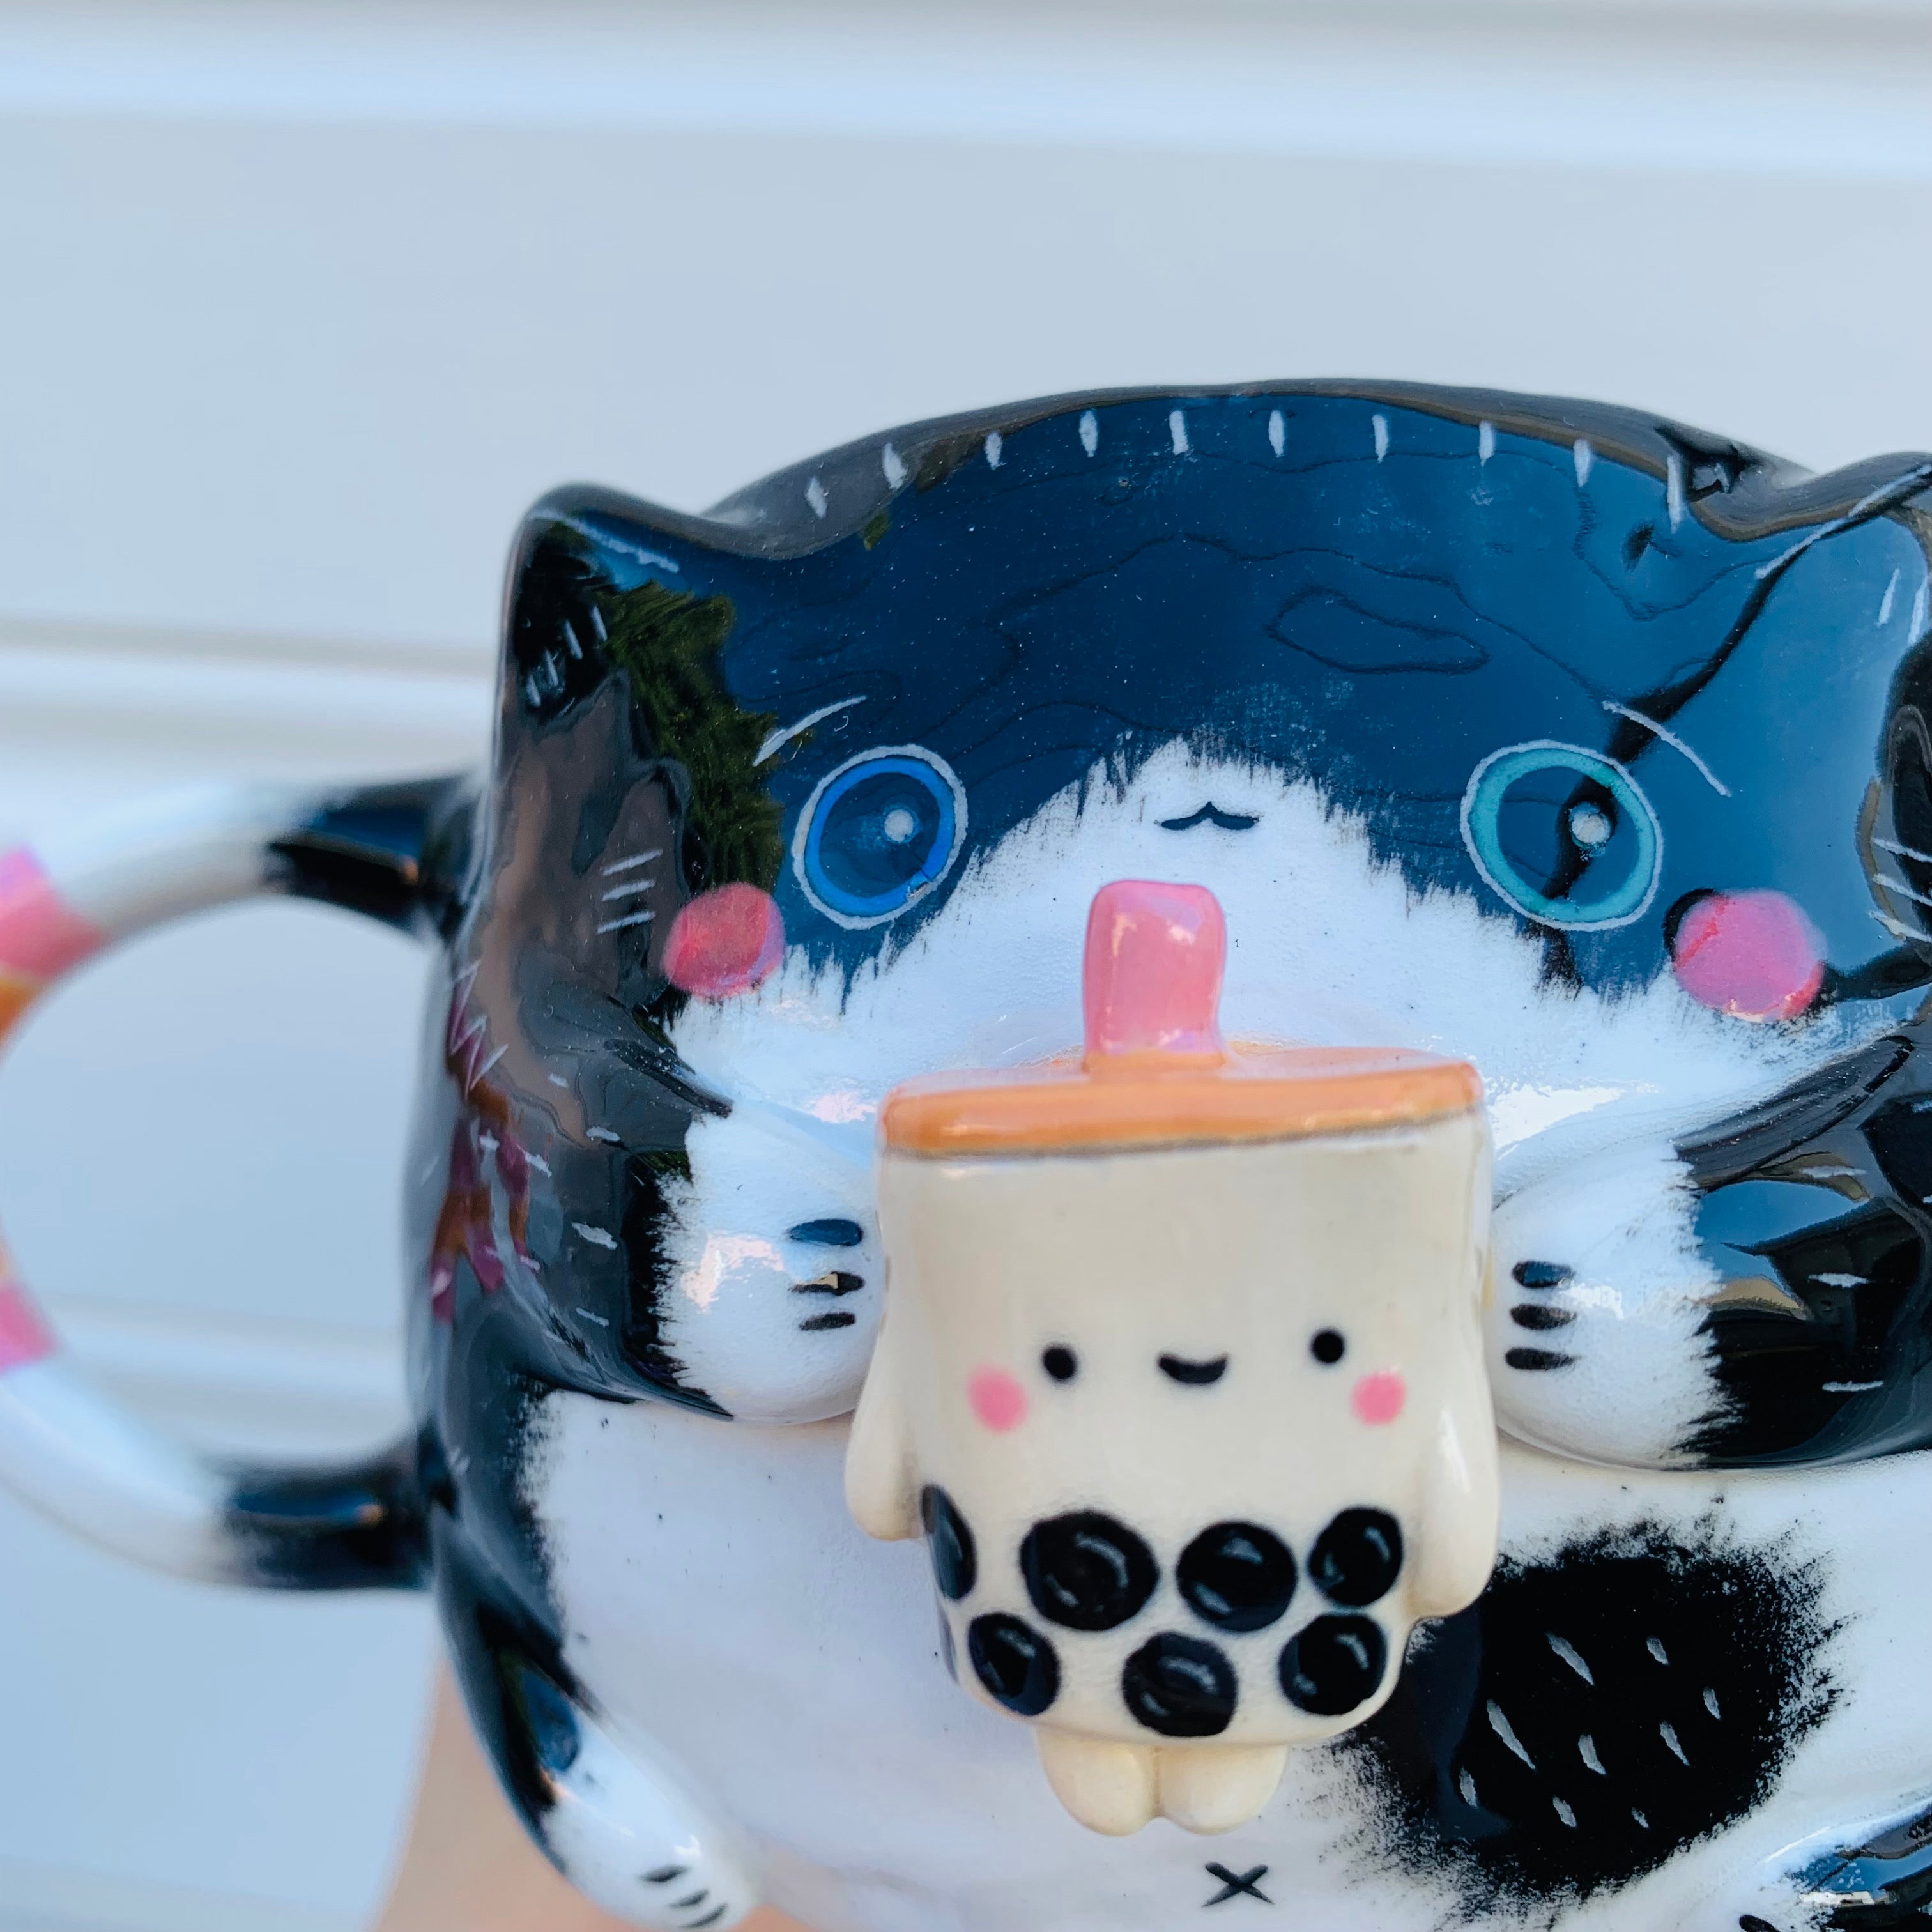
column 1559, row 742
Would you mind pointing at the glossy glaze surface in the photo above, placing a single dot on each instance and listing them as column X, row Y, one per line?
column 1586, row 747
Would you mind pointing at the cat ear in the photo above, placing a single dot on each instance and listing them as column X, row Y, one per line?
column 635, row 831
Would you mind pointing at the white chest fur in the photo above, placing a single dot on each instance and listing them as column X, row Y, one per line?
column 716, row 1597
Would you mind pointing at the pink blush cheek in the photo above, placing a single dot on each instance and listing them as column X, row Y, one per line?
column 997, row 1399
column 1379, row 1398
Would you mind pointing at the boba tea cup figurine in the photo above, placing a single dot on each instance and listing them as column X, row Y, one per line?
column 1562, row 742
column 1183, row 1311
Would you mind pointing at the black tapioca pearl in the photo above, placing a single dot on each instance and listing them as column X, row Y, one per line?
column 1541, row 1274
column 1333, row 1665
column 1180, row 1686
column 1328, row 1347
column 1059, row 1362
column 1087, row 1571
column 1237, row 1576
column 1357, row 1557
column 1014, row 1662
column 949, row 1538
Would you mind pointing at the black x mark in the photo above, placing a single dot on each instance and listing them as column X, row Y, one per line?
column 1247, row 1885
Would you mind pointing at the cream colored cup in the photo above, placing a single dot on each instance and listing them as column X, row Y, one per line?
column 1180, row 1375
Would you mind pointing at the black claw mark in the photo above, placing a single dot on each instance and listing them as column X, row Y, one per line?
column 1541, row 1314
column 827, row 1233
column 1540, row 1274
column 1243, row 1885
column 665, row 1873
column 711, row 1918
column 837, row 1282
column 1537, row 1358
column 1193, row 1375
column 1212, row 814
column 838, row 1318
column 697, row 1898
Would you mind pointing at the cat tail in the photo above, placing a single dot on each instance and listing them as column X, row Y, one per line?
column 398, row 854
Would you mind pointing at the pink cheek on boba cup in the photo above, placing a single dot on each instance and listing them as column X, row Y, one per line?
column 997, row 1399
column 1379, row 1398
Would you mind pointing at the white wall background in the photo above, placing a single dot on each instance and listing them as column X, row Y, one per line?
column 300, row 305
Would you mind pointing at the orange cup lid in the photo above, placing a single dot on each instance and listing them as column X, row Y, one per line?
column 1155, row 1071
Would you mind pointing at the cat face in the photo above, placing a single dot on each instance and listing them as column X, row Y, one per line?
column 1562, row 741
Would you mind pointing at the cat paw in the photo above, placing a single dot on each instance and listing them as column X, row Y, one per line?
column 631, row 1833
column 1595, row 1331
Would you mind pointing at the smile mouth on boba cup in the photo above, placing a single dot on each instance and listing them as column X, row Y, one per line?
column 1155, row 1071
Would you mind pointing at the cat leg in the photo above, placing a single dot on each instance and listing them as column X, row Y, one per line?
column 1218, row 1787
column 1110, row 1786
column 626, row 1825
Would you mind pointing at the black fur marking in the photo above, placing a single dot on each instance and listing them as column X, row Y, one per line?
column 838, row 1318
column 955, row 1562
column 1237, row 1576
column 1443, row 1764
column 1180, row 1687
column 1534, row 1359
column 1540, row 1274
column 357, row 1527
column 1357, row 1557
column 1086, row 1571
column 831, row 1233
column 1212, row 814
column 1333, row 1665
column 1014, row 1662
column 1193, row 1375
column 1236, row 1884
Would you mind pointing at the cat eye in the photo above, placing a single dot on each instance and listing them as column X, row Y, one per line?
column 879, row 833
column 1563, row 834
column 1328, row 1347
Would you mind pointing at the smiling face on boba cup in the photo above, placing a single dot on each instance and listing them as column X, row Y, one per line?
column 1181, row 1377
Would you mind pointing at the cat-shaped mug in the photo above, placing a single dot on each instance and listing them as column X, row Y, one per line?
column 1557, row 742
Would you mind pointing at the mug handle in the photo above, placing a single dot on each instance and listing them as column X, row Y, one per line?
column 393, row 853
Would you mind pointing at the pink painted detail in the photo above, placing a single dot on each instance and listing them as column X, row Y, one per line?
column 1753, row 955
column 1152, row 979
column 724, row 941
column 24, row 1335
column 997, row 1399
column 39, row 937
column 1379, row 1398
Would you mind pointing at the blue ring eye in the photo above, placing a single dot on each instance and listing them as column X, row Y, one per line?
column 879, row 833
column 1575, row 820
